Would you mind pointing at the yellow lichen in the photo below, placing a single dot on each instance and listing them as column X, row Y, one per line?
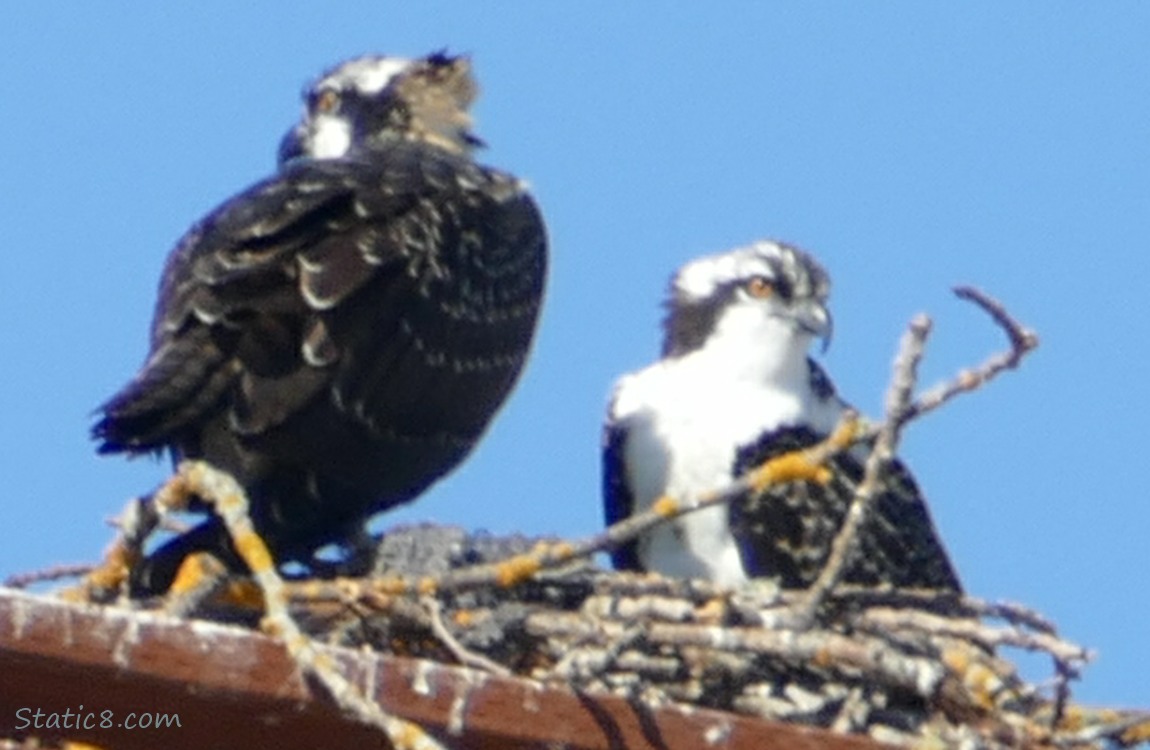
column 193, row 571
column 409, row 736
column 254, row 552
column 562, row 551
column 984, row 684
column 798, row 465
column 1137, row 733
column 516, row 569
column 955, row 660
column 713, row 612
column 665, row 506
column 109, row 576
column 789, row 467
column 393, row 585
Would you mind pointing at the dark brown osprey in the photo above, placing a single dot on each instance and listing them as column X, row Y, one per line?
column 340, row 335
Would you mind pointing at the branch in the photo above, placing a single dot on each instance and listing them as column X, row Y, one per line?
column 885, row 619
column 897, row 404
column 53, row 573
column 832, row 651
column 802, row 464
column 231, row 503
column 1022, row 341
column 901, row 409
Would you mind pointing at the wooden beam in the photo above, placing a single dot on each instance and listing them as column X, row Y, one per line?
column 83, row 666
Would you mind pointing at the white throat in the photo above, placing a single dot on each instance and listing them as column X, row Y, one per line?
column 751, row 347
column 330, row 137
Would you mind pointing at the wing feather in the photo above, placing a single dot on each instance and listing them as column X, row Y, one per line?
column 399, row 293
column 618, row 500
column 787, row 531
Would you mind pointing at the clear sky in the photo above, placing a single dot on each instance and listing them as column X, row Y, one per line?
column 909, row 146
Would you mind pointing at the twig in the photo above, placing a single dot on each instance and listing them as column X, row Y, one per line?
column 897, row 404
column 464, row 655
column 585, row 661
column 136, row 522
column 880, row 619
column 901, row 408
column 1022, row 342
column 878, row 660
column 1123, row 728
column 1014, row 613
column 231, row 504
column 1022, row 339
column 53, row 573
column 800, row 464
column 1064, row 672
column 167, row 523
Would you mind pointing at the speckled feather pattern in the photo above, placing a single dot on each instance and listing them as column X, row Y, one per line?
column 341, row 334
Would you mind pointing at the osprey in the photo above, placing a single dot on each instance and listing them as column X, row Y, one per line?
column 339, row 335
column 736, row 386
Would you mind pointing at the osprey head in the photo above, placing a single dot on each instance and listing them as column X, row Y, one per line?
column 767, row 291
column 369, row 102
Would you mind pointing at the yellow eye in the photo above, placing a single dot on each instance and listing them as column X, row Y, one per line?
column 327, row 102
column 760, row 287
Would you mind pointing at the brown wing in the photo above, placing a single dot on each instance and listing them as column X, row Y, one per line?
column 788, row 530
column 351, row 325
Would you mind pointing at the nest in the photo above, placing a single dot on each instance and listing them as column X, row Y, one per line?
column 900, row 666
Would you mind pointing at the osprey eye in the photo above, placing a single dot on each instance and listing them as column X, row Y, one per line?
column 327, row 101
column 760, row 287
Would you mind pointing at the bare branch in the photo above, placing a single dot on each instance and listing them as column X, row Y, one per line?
column 830, row 650
column 231, row 504
column 901, row 409
column 53, row 573
column 1022, row 342
column 803, row 464
column 897, row 405
column 465, row 656
column 1022, row 339
column 885, row 619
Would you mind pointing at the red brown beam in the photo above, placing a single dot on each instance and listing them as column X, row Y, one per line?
column 232, row 687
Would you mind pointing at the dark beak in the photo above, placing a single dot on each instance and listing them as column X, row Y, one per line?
column 817, row 320
column 828, row 332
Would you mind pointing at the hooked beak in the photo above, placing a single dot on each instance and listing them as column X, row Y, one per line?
column 816, row 319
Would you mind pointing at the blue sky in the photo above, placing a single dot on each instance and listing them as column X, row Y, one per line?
column 911, row 147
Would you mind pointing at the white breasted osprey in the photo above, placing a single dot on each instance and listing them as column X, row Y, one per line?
column 340, row 335
column 736, row 386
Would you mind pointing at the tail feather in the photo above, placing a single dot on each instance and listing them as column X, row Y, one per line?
column 182, row 381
